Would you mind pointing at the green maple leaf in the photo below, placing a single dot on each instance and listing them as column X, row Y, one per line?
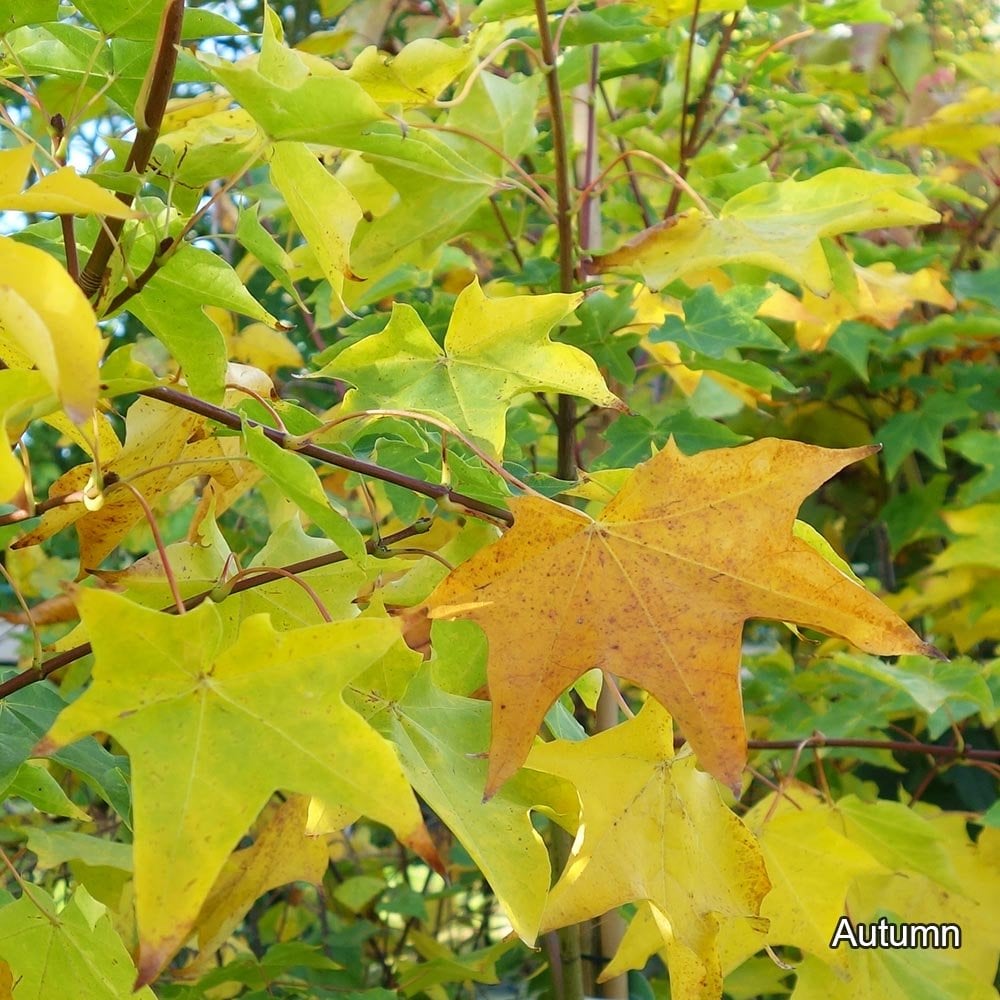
column 47, row 949
column 214, row 727
column 922, row 429
column 713, row 323
column 438, row 735
column 775, row 225
column 495, row 349
column 983, row 448
column 172, row 305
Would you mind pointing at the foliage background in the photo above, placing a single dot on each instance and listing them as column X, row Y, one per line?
column 891, row 338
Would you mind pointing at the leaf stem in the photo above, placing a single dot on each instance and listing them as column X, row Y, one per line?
column 168, row 571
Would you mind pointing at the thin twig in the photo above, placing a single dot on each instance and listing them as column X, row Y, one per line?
column 436, row 491
column 168, row 571
column 294, row 441
column 626, row 158
column 285, row 574
column 59, row 660
column 566, row 419
column 679, row 183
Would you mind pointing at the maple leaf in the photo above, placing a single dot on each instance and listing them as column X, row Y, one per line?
column 695, row 978
column 156, row 436
column 811, row 865
column 922, row 429
column 495, row 348
column 23, row 394
column 188, row 706
column 964, row 128
column 413, row 76
column 776, row 225
column 430, row 726
column 48, row 948
column 324, row 210
column 652, row 827
column 878, row 293
column 63, row 190
column 657, row 589
column 283, row 852
column 821, row 874
column 49, row 323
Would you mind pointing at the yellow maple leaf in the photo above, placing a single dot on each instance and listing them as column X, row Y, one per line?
column 691, row 977
column 164, row 447
column 653, row 827
column 775, row 225
column 965, row 128
column 63, row 190
column 283, row 852
column 812, row 868
column 263, row 347
column 881, row 295
column 657, row 589
column 48, row 322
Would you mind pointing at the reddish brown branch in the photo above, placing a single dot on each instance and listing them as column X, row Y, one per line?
column 67, row 656
column 149, row 112
column 894, row 746
column 436, row 491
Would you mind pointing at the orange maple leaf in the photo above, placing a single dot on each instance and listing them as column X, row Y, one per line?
column 657, row 589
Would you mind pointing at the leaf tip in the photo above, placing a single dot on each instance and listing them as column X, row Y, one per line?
column 45, row 746
column 420, row 842
column 929, row 649
column 149, row 965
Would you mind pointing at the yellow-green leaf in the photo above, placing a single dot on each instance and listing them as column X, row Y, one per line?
column 774, row 225
column 438, row 735
column 297, row 479
column 44, row 315
column 414, row 76
column 213, row 726
column 652, row 827
column 62, row 191
column 23, row 394
column 324, row 210
column 52, row 951
column 811, row 866
column 495, row 348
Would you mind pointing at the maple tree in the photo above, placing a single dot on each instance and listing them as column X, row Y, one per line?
column 498, row 493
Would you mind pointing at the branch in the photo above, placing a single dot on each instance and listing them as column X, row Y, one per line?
column 53, row 663
column 894, row 746
column 566, row 417
column 149, row 116
column 978, row 225
column 689, row 140
column 436, row 491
